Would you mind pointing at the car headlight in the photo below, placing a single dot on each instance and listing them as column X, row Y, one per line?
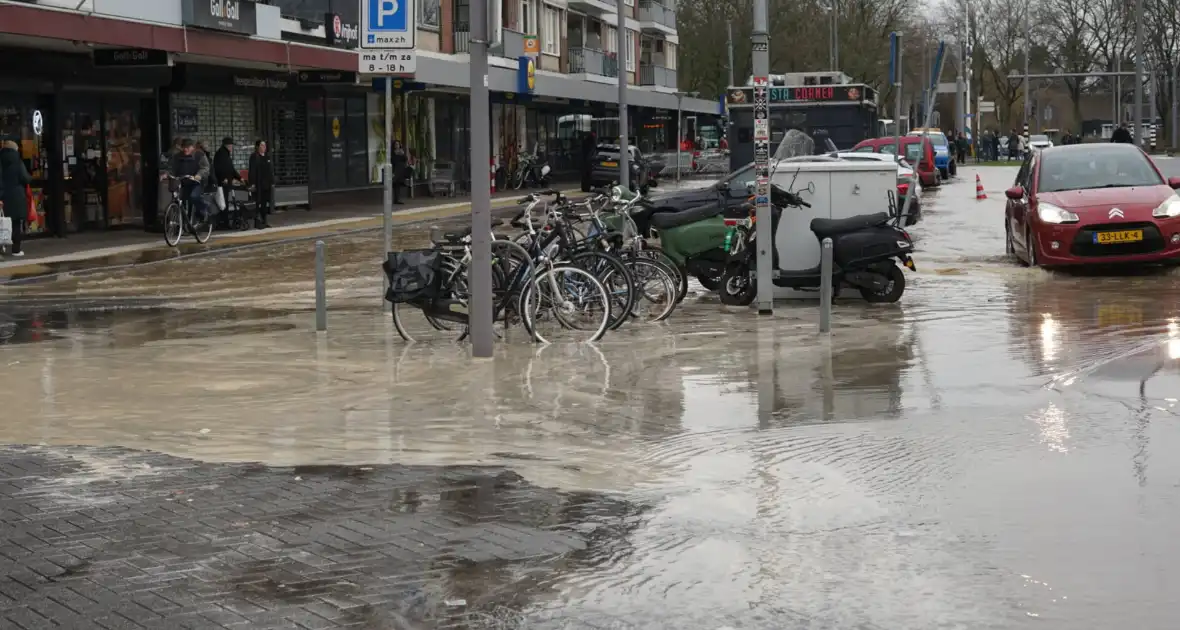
column 1050, row 213
column 1168, row 209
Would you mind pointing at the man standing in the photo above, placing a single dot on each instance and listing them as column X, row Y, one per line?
column 1122, row 135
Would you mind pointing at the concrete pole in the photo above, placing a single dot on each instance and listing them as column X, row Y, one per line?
column 480, row 311
column 729, row 43
column 835, row 36
column 897, row 105
column 679, row 131
column 624, row 141
column 387, row 177
column 1139, row 73
column 1118, row 94
column 760, row 39
column 1175, row 106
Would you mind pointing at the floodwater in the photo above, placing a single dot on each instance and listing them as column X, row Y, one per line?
column 993, row 452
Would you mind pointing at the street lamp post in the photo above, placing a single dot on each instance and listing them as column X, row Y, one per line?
column 624, row 141
column 1139, row 72
column 679, row 133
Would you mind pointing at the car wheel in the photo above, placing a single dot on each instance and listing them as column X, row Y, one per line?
column 954, row 169
column 1009, row 246
column 942, row 173
column 1030, row 250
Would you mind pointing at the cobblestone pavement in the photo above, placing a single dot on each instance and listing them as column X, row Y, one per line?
column 119, row 539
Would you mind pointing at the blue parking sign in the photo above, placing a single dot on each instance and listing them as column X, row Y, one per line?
column 388, row 24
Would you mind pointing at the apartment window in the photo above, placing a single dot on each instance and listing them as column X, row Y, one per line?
column 528, row 16
column 551, row 31
column 429, row 13
column 630, row 50
column 611, row 44
column 670, row 56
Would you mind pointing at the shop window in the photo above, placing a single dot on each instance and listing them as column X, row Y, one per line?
column 317, row 144
column 420, row 134
column 356, row 130
column 337, row 152
column 429, row 13
column 124, row 165
column 216, row 116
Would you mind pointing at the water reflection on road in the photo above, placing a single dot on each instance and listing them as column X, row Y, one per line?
column 994, row 452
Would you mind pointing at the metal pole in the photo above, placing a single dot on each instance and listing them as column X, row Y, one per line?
column 321, row 291
column 480, row 312
column 1175, row 108
column 387, row 177
column 729, row 40
column 624, row 141
column 1139, row 73
column 1027, row 49
column 760, row 40
column 679, row 130
column 895, row 64
column 832, row 34
column 960, row 118
column 825, row 287
column 1118, row 96
column 835, row 36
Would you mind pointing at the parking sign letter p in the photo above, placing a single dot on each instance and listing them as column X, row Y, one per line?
column 385, row 8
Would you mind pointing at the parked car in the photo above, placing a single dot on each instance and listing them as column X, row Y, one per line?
column 944, row 158
column 729, row 192
column 605, row 169
column 917, row 150
column 1092, row 204
column 1039, row 141
column 905, row 179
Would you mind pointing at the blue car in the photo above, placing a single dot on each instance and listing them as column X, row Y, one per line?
column 944, row 159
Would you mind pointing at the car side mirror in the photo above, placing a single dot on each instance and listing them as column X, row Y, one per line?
column 1174, row 182
column 751, row 187
column 1015, row 193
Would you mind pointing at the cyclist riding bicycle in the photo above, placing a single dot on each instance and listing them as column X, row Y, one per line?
column 188, row 163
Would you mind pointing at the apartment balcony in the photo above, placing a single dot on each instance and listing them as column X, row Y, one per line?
column 593, row 63
column 657, row 76
column 594, row 7
column 655, row 17
column 511, row 44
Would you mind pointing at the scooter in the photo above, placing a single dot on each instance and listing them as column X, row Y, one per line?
column 863, row 249
column 694, row 240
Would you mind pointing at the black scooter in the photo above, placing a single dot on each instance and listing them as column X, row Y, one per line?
column 863, row 249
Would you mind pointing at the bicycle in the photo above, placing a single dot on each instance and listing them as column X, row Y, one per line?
column 179, row 214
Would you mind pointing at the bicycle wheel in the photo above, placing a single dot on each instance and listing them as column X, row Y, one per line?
column 173, row 225
column 202, row 230
column 655, row 253
column 617, row 279
column 655, row 289
column 570, row 297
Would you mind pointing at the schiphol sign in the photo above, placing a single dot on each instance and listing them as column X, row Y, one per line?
column 388, row 25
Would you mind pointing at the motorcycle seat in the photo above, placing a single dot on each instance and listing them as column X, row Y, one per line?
column 669, row 220
column 824, row 228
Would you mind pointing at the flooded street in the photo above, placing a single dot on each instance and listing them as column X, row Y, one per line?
column 993, row 452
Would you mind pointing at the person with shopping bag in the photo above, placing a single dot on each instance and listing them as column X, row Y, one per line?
column 226, row 175
column 14, row 200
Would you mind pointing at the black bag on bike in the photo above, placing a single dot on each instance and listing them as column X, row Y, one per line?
column 414, row 276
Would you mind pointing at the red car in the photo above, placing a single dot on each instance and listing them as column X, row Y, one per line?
column 1092, row 204
column 918, row 150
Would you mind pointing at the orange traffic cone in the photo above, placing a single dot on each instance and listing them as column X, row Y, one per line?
column 979, row 194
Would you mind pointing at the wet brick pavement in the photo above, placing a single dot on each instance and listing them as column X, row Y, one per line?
column 119, row 539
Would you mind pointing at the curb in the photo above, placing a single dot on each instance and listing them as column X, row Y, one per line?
column 318, row 229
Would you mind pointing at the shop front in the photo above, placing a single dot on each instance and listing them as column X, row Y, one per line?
column 86, row 128
column 414, row 125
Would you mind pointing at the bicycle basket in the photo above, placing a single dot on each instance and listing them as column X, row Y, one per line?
column 413, row 275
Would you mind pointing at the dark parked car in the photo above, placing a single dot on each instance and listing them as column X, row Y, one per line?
column 605, row 168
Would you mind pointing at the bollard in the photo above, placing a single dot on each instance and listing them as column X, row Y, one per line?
column 321, row 292
column 825, row 287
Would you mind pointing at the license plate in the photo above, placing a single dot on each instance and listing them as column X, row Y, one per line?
column 1123, row 236
column 612, row 164
column 1119, row 315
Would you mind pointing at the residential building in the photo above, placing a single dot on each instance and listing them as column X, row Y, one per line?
column 104, row 87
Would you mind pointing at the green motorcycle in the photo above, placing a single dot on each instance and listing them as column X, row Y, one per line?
column 695, row 241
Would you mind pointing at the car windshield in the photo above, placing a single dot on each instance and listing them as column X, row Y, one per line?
column 1082, row 170
column 1038, row 138
column 936, row 138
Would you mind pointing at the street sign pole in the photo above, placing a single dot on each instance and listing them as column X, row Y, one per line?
column 624, row 141
column 760, row 40
column 480, row 313
column 388, row 39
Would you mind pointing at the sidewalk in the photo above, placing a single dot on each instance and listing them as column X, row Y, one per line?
column 325, row 219
column 115, row 539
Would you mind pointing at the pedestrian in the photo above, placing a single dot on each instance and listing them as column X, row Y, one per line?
column 261, row 178
column 1122, row 135
column 401, row 163
column 191, row 163
column 14, row 181
column 224, row 171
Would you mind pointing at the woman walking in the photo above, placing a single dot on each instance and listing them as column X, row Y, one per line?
column 14, row 179
column 261, row 177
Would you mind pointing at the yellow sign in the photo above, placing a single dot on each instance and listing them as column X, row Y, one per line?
column 532, row 75
column 335, row 127
column 1124, row 236
column 532, row 45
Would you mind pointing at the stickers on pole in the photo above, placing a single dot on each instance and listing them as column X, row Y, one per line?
column 761, row 130
column 763, row 187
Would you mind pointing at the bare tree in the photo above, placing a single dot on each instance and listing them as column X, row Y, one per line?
column 1161, row 47
column 1072, row 32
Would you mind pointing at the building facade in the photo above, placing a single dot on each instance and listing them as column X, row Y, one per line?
column 111, row 84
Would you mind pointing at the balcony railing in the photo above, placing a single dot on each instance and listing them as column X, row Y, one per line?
column 591, row 61
column 657, row 76
column 655, row 12
column 511, row 43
